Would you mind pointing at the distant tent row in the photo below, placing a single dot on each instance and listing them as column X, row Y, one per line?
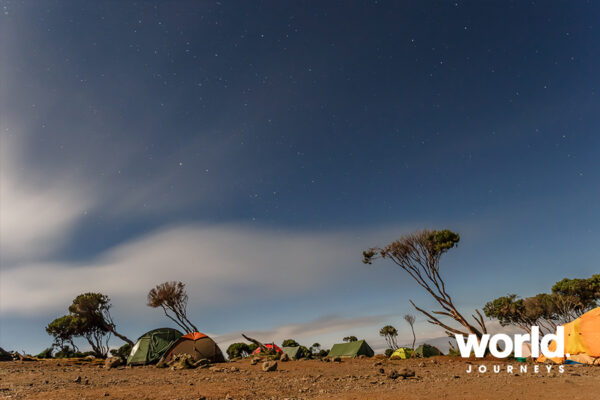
column 164, row 343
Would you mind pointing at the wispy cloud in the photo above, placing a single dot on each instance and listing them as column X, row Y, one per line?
column 36, row 215
column 223, row 263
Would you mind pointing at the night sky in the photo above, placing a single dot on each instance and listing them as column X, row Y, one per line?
column 253, row 149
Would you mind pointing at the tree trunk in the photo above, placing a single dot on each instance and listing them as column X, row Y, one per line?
column 263, row 348
column 122, row 337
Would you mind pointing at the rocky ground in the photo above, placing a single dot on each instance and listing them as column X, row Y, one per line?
column 371, row 378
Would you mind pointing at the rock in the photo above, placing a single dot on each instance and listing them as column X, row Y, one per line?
column 5, row 355
column 181, row 361
column 377, row 363
column 269, row 366
column 406, row 372
column 382, row 371
column 336, row 359
column 234, row 369
column 77, row 380
column 362, row 356
column 201, row 362
column 112, row 362
column 255, row 360
column 393, row 374
column 284, row 357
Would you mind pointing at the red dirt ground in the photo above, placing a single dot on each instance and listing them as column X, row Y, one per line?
column 438, row 378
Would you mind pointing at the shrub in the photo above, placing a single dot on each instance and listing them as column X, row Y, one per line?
column 236, row 350
column 122, row 352
column 47, row 353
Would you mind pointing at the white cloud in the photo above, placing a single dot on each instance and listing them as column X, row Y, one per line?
column 35, row 215
column 212, row 260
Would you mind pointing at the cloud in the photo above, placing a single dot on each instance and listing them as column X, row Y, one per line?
column 36, row 215
column 222, row 264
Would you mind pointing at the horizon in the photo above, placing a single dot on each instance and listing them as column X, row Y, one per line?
column 253, row 151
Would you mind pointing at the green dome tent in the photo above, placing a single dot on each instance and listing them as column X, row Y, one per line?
column 427, row 350
column 293, row 352
column 351, row 349
column 151, row 346
column 401, row 354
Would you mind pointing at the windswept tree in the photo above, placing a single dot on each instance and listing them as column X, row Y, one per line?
column 523, row 313
column 577, row 296
column 94, row 309
column 64, row 330
column 570, row 298
column 350, row 339
column 89, row 317
column 390, row 334
column 411, row 321
column 419, row 255
column 172, row 298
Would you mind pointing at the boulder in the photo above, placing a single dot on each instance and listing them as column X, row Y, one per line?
column 336, row 359
column 406, row 373
column 284, row 357
column 5, row 355
column 255, row 360
column 269, row 366
column 112, row 362
column 202, row 363
column 181, row 361
column 393, row 374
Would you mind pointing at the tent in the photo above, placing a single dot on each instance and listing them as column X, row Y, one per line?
column 401, row 353
column 151, row 346
column 293, row 352
column 270, row 346
column 582, row 340
column 351, row 349
column 196, row 344
column 427, row 350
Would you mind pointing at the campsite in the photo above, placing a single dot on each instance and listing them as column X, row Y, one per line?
column 184, row 363
column 290, row 200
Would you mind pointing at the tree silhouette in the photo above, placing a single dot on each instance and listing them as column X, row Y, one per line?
column 419, row 255
column 390, row 334
column 171, row 296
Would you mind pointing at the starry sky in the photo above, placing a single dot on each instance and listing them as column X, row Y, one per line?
column 254, row 149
